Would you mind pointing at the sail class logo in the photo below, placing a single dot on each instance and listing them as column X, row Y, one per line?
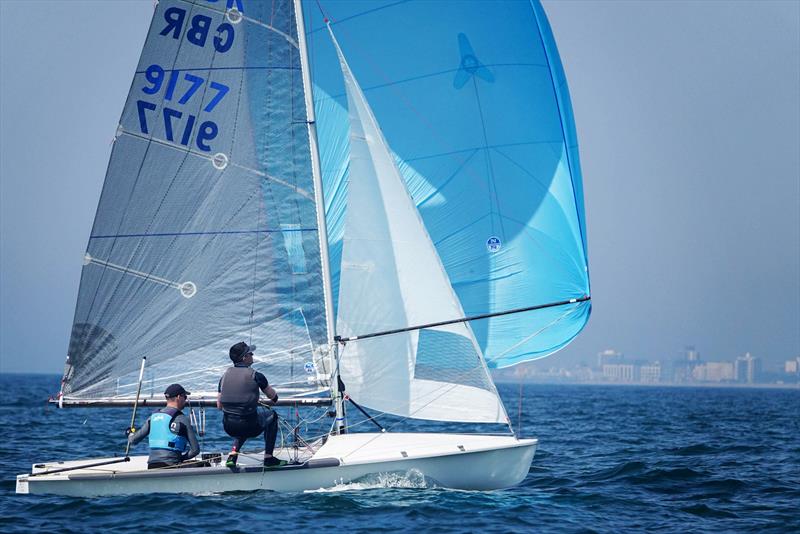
column 493, row 244
column 470, row 65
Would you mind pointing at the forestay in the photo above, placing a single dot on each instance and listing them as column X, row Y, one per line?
column 206, row 230
column 391, row 277
column 471, row 96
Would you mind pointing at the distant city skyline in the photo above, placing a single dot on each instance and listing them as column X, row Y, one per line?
column 688, row 123
column 613, row 367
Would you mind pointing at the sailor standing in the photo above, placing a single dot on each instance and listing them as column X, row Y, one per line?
column 238, row 399
column 172, row 438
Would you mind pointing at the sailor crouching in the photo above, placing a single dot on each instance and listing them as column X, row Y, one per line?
column 172, row 438
column 238, row 398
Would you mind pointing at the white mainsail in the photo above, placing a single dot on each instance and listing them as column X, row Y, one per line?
column 392, row 277
column 208, row 230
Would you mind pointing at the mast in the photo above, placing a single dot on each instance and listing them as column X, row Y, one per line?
column 322, row 226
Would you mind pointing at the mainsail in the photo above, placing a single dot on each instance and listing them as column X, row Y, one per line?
column 206, row 231
column 472, row 99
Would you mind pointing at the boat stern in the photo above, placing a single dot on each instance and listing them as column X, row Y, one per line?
column 22, row 484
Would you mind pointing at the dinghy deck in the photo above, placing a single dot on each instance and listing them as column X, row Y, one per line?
column 451, row 460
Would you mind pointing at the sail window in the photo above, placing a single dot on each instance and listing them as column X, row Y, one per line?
column 293, row 241
column 449, row 357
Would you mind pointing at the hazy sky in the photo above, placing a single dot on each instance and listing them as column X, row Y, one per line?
column 688, row 116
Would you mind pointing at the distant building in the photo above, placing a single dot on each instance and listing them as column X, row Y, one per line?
column 792, row 367
column 683, row 368
column 650, row 373
column 714, row 372
column 584, row 374
column 747, row 369
column 608, row 356
column 619, row 372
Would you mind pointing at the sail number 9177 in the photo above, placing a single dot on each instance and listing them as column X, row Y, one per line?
column 173, row 118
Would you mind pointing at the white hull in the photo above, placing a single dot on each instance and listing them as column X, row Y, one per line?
column 460, row 461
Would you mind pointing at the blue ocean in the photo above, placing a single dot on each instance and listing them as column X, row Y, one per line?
column 610, row 459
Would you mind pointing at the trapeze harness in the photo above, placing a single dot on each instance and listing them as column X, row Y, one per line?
column 166, row 434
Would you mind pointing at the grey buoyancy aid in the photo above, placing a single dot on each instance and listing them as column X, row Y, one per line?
column 165, row 432
column 239, row 391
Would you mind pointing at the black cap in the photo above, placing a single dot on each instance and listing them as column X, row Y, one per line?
column 174, row 390
column 240, row 350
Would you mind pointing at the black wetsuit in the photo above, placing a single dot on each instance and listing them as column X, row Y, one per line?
column 243, row 418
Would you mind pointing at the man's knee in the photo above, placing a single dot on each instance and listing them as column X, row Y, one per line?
column 269, row 418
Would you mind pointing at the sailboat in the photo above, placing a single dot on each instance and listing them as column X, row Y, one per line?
column 252, row 194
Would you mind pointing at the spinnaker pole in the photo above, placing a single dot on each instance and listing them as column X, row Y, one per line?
column 322, row 227
column 584, row 298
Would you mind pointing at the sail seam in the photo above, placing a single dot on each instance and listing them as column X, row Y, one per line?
column 477, row 148
column 300, row 191
column 211, row 69
column 221, row 232
column 373, row 10
column 431, row 75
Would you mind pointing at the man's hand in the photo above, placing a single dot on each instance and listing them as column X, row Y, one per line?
column 129, row 431
column 270, row 392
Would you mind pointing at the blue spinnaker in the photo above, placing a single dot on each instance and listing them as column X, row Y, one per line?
column 472, row 98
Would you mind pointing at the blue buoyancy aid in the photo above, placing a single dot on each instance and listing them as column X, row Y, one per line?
column 165, row 433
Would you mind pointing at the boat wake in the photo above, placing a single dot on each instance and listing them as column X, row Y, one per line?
column 412, row 479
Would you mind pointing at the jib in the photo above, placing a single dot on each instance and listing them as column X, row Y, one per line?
column 197, row 32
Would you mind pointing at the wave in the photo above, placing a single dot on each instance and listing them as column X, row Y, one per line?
column 620, row 471
column 694, row 450
column 703, row 510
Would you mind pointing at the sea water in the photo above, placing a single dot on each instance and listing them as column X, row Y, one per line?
column 610, row 459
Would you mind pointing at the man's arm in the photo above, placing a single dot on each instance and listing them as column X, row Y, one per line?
column 219, row 393
column 264, row 386
column 194, row 446
column 140, row 434
column 271, row 394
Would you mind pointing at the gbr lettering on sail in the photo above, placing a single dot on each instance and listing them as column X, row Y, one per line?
column 179, row 90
